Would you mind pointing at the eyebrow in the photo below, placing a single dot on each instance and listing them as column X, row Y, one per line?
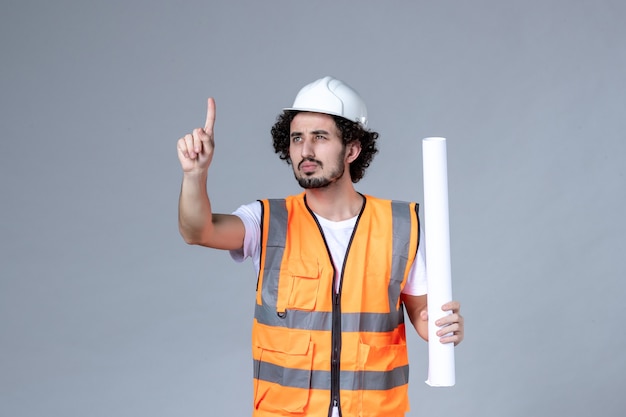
column 315, row 132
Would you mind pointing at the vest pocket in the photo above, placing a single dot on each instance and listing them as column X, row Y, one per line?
column 284, row 370
column 383, row 358
column 304, row 282
column 385, row 380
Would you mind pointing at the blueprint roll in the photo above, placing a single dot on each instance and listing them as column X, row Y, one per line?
column 441, row 372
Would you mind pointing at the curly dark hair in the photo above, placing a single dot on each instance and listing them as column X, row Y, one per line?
column 349, row 130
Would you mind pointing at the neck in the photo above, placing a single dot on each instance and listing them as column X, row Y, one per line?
column 336, row 202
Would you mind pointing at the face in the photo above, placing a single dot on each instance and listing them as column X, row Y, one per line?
column 318, row 155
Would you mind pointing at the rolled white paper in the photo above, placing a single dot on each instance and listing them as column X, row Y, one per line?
column 441, row 372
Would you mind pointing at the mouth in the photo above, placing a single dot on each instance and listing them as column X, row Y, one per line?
column 308, row 166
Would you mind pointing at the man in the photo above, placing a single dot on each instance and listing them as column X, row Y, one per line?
column 336, row 268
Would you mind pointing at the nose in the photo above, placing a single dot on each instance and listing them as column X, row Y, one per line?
column 306, row 151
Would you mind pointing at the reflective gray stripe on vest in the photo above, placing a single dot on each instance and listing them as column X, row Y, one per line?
column 401, row 222
column 322, row 320
column 313, row 320
column 276, row 239
column 360, row 380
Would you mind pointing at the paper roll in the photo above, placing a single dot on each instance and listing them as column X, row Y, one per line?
column 441, row 372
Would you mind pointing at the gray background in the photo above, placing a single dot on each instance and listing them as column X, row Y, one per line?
column 105, row 311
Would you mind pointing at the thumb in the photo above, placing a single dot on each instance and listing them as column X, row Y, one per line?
column 210, row 117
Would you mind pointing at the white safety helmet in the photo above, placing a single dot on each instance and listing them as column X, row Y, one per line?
column 331, row 96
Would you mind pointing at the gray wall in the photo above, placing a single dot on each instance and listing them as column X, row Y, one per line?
column 105, row 311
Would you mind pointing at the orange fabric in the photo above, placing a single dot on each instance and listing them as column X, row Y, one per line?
column 305, row 284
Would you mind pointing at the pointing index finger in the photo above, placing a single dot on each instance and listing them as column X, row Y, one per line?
column 210, row 117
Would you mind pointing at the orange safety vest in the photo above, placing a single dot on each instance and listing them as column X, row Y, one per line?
column 314, row 348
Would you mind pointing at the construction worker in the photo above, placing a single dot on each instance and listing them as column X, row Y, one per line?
column 336, row 269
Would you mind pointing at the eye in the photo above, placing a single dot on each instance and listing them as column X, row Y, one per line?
column 320, row 137
column 296, row 139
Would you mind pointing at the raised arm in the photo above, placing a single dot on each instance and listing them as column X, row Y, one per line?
column 197, row 223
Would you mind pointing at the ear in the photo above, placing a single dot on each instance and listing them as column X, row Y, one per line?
column 353, row 150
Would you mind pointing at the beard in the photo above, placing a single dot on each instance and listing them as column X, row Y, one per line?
column 324, row 181
column 320, row 182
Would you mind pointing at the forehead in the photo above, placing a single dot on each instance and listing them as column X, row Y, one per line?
column 306, row 121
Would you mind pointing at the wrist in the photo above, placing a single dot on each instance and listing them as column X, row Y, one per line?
column 196, row 175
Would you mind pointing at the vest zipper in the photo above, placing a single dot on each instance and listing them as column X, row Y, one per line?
column 335, row 364
column 336, row 354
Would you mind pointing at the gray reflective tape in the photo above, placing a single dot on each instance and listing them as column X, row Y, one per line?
column 349, row 380
column 276, row 239
column 401, row 225
column 375, row 380
column 321, row 320
column 288, row 377
column 371, row 322
column 294, row 319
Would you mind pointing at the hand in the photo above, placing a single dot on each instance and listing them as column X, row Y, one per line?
column 195, row 150
column 452, row 325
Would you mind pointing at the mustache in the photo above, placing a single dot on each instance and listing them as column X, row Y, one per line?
column 309, row 160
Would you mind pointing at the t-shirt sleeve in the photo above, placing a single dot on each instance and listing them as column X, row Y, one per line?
column 250, row 215
column 417, row 283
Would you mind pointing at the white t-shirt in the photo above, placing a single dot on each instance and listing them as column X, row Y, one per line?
column 337, row 235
